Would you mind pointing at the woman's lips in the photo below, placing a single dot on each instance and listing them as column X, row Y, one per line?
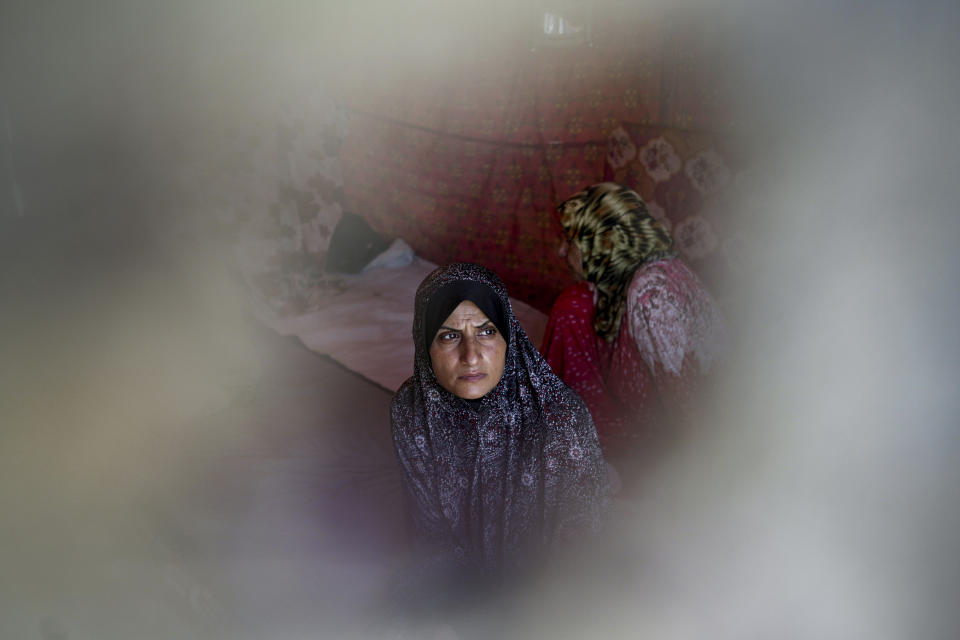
column 473, row 377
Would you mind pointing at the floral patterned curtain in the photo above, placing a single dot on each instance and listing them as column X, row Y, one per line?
column 687, row 180
column 470, row 163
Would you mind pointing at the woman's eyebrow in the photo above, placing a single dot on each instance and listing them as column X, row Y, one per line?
column 444, row 328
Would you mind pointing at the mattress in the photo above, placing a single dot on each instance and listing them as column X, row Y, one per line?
column 364, row 321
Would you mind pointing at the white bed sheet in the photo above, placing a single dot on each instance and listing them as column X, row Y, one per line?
column 364, row 322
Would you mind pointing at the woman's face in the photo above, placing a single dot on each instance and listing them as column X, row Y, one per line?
column 571, row 253
column 468, row 353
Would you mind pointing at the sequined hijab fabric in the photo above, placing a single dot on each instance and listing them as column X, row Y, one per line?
column 490, row 482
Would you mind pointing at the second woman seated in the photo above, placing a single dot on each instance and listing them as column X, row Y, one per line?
column 636, row 336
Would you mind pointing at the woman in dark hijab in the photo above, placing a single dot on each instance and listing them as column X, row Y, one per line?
column 500, row 459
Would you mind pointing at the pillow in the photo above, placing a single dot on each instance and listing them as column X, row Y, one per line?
column 399, row 255
column 353, row 245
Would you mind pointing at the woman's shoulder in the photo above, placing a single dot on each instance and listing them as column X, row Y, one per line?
column 405, row 392
column 668, row 275
column 401, row 407
column 566, row 402
column 573, row 297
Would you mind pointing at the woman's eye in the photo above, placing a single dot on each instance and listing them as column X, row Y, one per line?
column 448, row 337
column 488, row 331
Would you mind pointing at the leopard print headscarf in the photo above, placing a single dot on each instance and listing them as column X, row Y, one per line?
column 615, row 233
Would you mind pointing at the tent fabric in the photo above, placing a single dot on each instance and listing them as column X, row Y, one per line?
column 467, row 162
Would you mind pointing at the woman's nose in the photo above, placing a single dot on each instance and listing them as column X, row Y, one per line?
column 469, row 353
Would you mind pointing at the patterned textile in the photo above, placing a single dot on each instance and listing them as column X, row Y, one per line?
column 687, row 179
column 490, row 483
column 453, row 199
column 614, row 233
column 466, row 160
column 672, row 318
column 644, row 383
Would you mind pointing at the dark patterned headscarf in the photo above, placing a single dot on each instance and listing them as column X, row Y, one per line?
column 488, row 481
column 615, row 233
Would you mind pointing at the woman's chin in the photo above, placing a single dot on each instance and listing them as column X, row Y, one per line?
column 470, row 394
column 472, row 389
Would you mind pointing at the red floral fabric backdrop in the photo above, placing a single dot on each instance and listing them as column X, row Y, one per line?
column 689, row 182
column 468, row 161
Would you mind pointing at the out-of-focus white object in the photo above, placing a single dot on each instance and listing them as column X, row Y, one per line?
column 397, row 255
